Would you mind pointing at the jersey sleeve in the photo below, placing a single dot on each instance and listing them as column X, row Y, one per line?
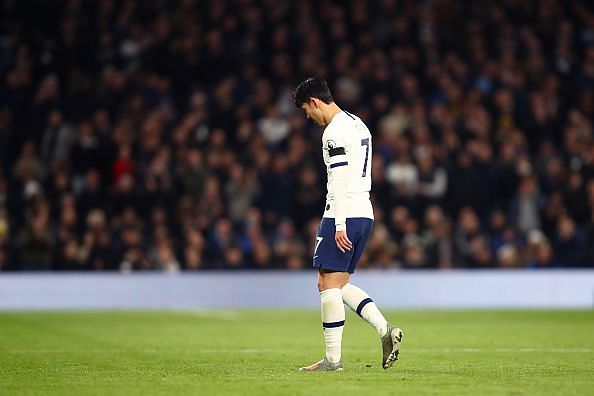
column 337, row 148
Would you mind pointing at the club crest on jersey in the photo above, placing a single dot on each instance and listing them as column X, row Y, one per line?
column 331, row 144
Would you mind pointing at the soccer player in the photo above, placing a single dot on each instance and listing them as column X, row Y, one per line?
column 346, row 224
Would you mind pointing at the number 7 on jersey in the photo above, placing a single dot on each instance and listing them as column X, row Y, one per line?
column 365, row 142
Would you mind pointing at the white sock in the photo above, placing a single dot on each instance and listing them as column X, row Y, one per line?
column 359, row 302
column 333, row 322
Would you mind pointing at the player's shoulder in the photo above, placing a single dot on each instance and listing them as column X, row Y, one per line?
column 344, row 127
column 344, row 118
column 349, row 117
column 341, row 122
column 351, row 122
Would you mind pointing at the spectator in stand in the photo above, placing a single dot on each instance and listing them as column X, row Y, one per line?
column 36, row 242
column 569, row 243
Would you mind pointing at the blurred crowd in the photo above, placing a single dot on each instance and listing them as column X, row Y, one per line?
column 153, row 134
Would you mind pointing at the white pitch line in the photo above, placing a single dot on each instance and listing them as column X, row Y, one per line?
column 421, row 350
column 63, row 350
column 499, row 350
column 248, row 351
column 269, row 350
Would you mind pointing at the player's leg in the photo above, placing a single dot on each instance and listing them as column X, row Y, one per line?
column 329, row 285
column 332, row 307
column 357, row 299
column 360, row 302
column 332, row 276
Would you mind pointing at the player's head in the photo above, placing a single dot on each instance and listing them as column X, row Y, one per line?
column 311, row 95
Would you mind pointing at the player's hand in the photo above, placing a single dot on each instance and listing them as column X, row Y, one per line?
column 342, row 241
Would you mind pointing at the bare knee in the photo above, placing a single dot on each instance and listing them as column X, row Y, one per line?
column 321, row 285
column 331, row 280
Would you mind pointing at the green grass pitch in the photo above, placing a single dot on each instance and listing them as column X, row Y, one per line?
column 259, row 352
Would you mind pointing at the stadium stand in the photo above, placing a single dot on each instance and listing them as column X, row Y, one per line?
column 143, row 135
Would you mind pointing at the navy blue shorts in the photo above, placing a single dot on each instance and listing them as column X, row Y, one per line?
column 327, row 256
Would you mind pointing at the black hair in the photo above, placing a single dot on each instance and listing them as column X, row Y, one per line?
column 312, row 88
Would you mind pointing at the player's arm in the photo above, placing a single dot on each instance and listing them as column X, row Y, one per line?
column 338, row 187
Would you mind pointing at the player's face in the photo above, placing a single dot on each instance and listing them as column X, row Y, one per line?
column 313, row 112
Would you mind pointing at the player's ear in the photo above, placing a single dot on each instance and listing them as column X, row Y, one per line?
column 315, row 102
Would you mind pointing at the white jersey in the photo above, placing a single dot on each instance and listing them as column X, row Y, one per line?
column 346, row 148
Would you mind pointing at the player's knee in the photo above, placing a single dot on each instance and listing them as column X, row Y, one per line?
column 321, row 285
column 324, row 284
